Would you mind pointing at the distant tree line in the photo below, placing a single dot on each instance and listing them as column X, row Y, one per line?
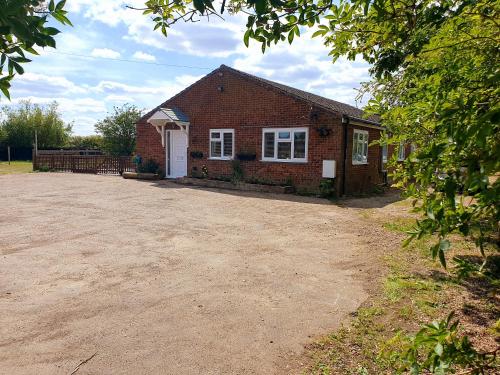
column 115, row 133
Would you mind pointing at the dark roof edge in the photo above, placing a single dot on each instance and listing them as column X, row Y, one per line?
column 370, row 122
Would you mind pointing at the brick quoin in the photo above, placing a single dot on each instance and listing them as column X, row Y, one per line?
column 248, row 106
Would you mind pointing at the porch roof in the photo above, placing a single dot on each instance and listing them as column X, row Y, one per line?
column 163, row 116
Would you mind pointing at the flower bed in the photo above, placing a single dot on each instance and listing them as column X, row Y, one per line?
column 205, row 182
column 141, row 176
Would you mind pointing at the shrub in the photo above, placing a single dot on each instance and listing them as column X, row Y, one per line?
column 327, row 188
column 438, row 348
column 149, row 166
column 238, row 172
column 204, row 171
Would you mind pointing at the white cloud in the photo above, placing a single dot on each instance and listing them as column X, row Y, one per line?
column 305, row 64
column 116, row 99
column 53, row 85
column 85, row 111
column 139, row 55
column 186, row 79
column 105, row 52
column 214, row 37
column 82, row 112
column 67, row 105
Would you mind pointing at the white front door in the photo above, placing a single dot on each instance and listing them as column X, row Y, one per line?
column 177, row 154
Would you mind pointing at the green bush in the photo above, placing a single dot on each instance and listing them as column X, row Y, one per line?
column 438, row 349
column 238, row 172
column 150, row 166
column 43, row 168
column 327, row 188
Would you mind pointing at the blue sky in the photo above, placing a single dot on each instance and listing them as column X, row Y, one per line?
column 88, row 87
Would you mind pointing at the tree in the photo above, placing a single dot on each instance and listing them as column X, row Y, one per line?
column 22, row 29
column 118, row 130
column 87, row 142
column 21, row 122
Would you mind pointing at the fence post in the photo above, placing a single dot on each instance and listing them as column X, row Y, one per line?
column 34, row 161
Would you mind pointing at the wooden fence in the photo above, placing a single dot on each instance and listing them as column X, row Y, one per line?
column 96, row 164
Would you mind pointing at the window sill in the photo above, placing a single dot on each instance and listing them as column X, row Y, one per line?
column 283, row 161
column 227, row 159
column 359, row 163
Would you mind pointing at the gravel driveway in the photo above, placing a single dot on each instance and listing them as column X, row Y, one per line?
column 159, row 278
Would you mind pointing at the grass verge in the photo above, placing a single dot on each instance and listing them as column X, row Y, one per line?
column 414, row 291
column 15, row 167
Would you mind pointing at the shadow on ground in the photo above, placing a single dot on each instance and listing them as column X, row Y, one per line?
column 369, row 201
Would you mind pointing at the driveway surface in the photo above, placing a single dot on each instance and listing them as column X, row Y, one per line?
column 159, row 278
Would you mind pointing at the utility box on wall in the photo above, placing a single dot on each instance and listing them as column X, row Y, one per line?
column 329, row 168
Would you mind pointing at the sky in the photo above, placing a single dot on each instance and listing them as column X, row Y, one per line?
column 87, row 75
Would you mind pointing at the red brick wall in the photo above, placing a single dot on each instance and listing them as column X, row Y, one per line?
column 361, row 177
column 247, row 107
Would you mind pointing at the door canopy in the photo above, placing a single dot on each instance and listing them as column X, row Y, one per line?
column 166, row 116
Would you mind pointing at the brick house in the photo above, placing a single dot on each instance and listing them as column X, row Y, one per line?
column 280, row 134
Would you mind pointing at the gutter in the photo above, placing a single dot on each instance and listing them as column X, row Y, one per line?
column 345, row 122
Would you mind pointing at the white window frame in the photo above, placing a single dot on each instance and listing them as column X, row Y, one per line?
column 221, row 132
column 354, row 141
column 292, row 132
column 401, row 151
column 383, row 148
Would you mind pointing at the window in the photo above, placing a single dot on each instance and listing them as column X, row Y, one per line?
column 221, row 144
column 285, row 145
column 401, row 151
column 360, row 147
column 384, row 153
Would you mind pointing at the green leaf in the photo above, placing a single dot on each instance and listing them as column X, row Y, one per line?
column 438, row 349
column 246, row 37
column 20, row 29
column 318, row 33
column 60, row 4
column 51, row 31
column 59, row 16
column 51, row 6
column 430, row 213
column 443, row 245
column 5, row 91
column 199, row 5
column 19, row 69
column 260, row 6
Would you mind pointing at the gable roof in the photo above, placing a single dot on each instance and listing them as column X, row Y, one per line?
column 320, row 101
column 317, row 100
